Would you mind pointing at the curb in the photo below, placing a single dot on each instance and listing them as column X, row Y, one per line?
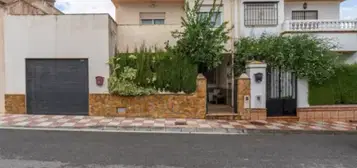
column 312, row 132
column 133, row 129
column 183, row 130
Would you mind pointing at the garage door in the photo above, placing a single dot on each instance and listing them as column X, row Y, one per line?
column 57, row 86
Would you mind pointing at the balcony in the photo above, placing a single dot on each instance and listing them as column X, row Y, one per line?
column 133, row 36
column 320, row 25
column 343, row 32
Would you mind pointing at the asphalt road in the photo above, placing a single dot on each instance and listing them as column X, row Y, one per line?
column 50, row 149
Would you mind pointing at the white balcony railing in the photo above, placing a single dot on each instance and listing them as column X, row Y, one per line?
column 320, row 25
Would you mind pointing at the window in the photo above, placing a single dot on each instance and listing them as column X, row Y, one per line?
column 304, row 15
column 216, row 15
column 151, row 18
column 217, row 18
column 260, row 13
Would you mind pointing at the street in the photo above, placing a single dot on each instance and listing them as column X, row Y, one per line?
column 51, row 149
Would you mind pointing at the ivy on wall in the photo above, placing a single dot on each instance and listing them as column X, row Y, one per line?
column 339, row 89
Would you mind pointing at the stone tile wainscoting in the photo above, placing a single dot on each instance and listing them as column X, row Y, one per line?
column 15, row 104
column 344, row 113
column 258, row 114
column 153, row 106
column 243, row 90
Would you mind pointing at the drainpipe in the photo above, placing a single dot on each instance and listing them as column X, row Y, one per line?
column 236, row 20
column 233, row 36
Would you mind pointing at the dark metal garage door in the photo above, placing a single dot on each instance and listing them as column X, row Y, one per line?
column 57, row 86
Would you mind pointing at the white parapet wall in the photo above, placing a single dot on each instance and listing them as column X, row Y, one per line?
column 2, row 65
column 86, row 36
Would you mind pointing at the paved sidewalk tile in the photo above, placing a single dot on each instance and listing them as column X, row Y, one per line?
column 160, row 125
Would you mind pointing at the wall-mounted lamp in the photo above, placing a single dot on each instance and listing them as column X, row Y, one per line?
column 304, row 5
column 153, row 5
column 258, row 77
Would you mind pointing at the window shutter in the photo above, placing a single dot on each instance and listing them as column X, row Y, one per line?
column 207, row 8
column 152, row 15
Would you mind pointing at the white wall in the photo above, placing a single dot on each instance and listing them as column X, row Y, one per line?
column 345, row 41
column 259, row 30
column 64, row 36
column 2, row 65
column 113, row 37
column 302, row 93
column 352, row 59
column 327, row 10
column 129, row 13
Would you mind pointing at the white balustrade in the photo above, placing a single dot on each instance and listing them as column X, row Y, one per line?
column 320, row 25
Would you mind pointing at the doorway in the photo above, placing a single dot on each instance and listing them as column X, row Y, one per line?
column 220, row 90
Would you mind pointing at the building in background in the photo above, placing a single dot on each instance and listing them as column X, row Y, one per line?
column 19, row 7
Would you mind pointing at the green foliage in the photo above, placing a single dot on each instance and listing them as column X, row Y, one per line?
column 175, row 74
column 123, row 77
column 200, row 40
column 339, row 89
column 145, row 72
column 309, row 57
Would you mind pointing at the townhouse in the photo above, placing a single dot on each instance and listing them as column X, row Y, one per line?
column 152, row 21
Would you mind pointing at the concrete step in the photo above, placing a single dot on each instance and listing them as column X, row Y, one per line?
column 283, row 118
column 223, row 116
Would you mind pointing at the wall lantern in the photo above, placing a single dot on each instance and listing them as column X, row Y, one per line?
column 153, row 4
column 304, row 5
column 99, row 80
column 258, row 77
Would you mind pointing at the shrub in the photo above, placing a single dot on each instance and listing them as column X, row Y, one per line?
column 339, row 89
column 309, row 57
column 145, row 72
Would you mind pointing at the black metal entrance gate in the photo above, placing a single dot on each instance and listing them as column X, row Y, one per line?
column 281, row 93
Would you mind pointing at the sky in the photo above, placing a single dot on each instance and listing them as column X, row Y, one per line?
column 348, row 8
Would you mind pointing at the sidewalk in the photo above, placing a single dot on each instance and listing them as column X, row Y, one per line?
column 170, row 125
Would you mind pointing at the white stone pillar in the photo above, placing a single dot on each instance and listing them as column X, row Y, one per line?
column 302, row 93
column 258, row 87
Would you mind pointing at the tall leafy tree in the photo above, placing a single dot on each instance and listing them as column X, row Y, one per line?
column 201, row 39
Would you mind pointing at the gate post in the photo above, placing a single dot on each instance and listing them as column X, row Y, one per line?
column 257, row 73
column 243, row 96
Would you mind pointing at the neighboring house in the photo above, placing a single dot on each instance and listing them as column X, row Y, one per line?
column 52, row 62
column 29, row 7
column 152, row 21
column 19, row 7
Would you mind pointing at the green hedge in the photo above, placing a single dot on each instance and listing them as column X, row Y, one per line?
column 340, row 89
column 145, row 72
